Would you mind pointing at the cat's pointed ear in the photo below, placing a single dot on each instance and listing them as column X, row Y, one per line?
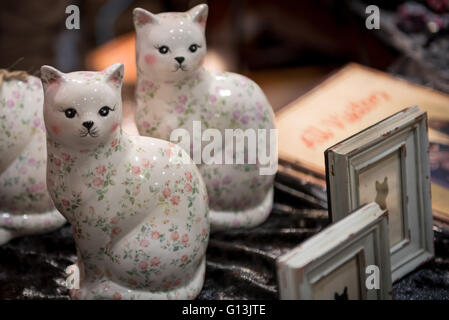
column 142, row 17
column 50, row 76
column 199, row 14
column 114, row 74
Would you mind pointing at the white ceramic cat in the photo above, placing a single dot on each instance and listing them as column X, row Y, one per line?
column 173, row 90
column 25, row 205
column 140, row 219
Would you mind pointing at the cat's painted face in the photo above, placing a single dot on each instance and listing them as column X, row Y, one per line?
column 82, row 109
column 170, row 46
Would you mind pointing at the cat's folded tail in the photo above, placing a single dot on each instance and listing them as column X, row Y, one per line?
column 109, row 290
column 17, row 225
column 248, row 218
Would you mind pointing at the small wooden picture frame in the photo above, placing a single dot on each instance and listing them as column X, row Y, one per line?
column 388, row 163
column 332, row 265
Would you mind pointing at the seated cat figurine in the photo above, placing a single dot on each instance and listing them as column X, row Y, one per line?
column 139, row 216
column 25, row 205
column 174, row 91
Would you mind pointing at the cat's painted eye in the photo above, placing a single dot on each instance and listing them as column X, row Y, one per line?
column 70, row 113
column 104, row 111
column 193, row 48
column 163, row 49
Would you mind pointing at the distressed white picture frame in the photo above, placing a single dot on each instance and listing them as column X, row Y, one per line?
column 362, row 236
column 403, row 136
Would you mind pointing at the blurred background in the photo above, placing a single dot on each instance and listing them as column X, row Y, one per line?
column 285, row 46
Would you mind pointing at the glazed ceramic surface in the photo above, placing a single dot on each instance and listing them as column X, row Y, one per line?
column 25, row 205
column 173, row 90
column 140, row 218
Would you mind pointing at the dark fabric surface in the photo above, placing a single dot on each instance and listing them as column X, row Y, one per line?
column 241, row 263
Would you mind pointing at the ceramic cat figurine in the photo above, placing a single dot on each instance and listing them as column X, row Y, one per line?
column 174, row 90
column 25, row 205
column 140, row 217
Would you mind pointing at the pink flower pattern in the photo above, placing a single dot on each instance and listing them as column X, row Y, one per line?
column 161, row 241
column 23, row 186
column 231, row 102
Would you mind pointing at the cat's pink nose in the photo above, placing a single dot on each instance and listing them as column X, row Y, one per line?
column 180, row 59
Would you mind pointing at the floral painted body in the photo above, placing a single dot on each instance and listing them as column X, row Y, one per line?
column 173, row 95
column 139, row 216
column 25, row 205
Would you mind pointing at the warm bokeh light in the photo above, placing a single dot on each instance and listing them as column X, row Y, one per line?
column 121, row 49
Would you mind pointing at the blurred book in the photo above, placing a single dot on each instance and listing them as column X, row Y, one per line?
column 348, row 102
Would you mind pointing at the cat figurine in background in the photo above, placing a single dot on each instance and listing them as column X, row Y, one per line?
column 25, row 205
column 139, row 216
column 174, row 91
